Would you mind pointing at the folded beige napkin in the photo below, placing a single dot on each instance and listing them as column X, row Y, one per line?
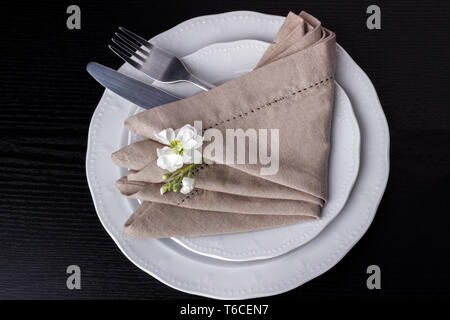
column 292, row 90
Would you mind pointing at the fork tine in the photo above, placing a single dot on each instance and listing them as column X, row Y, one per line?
column 125, row 48
column 137, row 38
column 124, row 56
column 131, row 44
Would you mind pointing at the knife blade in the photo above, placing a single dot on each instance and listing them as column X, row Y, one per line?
column 131, row 89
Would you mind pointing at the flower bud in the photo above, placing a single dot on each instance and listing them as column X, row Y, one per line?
column 167, row 175
column 164, row 189
column 176, row 187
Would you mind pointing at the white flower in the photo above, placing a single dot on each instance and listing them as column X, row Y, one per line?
column 188, row 185
column 183, row 145
column 168, row 159
column 165, row 136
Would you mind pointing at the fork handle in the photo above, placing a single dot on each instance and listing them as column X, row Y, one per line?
column 204, row 85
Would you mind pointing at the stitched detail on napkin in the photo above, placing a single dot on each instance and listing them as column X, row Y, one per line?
column 270, row 103
column 244, row 114
column 190, row 195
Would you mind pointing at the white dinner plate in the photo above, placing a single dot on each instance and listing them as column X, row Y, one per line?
column 190, row 272
column 218, row 63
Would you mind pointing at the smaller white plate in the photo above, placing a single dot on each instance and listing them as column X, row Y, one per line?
column 218, row 63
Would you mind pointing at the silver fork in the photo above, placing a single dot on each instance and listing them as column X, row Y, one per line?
column 157, row 63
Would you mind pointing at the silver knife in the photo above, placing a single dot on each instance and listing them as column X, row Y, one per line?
column 131, row 89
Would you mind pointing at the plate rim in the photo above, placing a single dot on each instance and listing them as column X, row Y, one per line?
column 337, row 256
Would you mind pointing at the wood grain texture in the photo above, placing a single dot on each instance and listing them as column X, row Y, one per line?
column 48, row 221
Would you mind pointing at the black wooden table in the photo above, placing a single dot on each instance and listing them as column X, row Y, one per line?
column 47, row 218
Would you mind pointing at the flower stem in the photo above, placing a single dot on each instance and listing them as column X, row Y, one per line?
column 174, row 178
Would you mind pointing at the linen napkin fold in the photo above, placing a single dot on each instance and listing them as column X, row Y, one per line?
column 291, row 90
